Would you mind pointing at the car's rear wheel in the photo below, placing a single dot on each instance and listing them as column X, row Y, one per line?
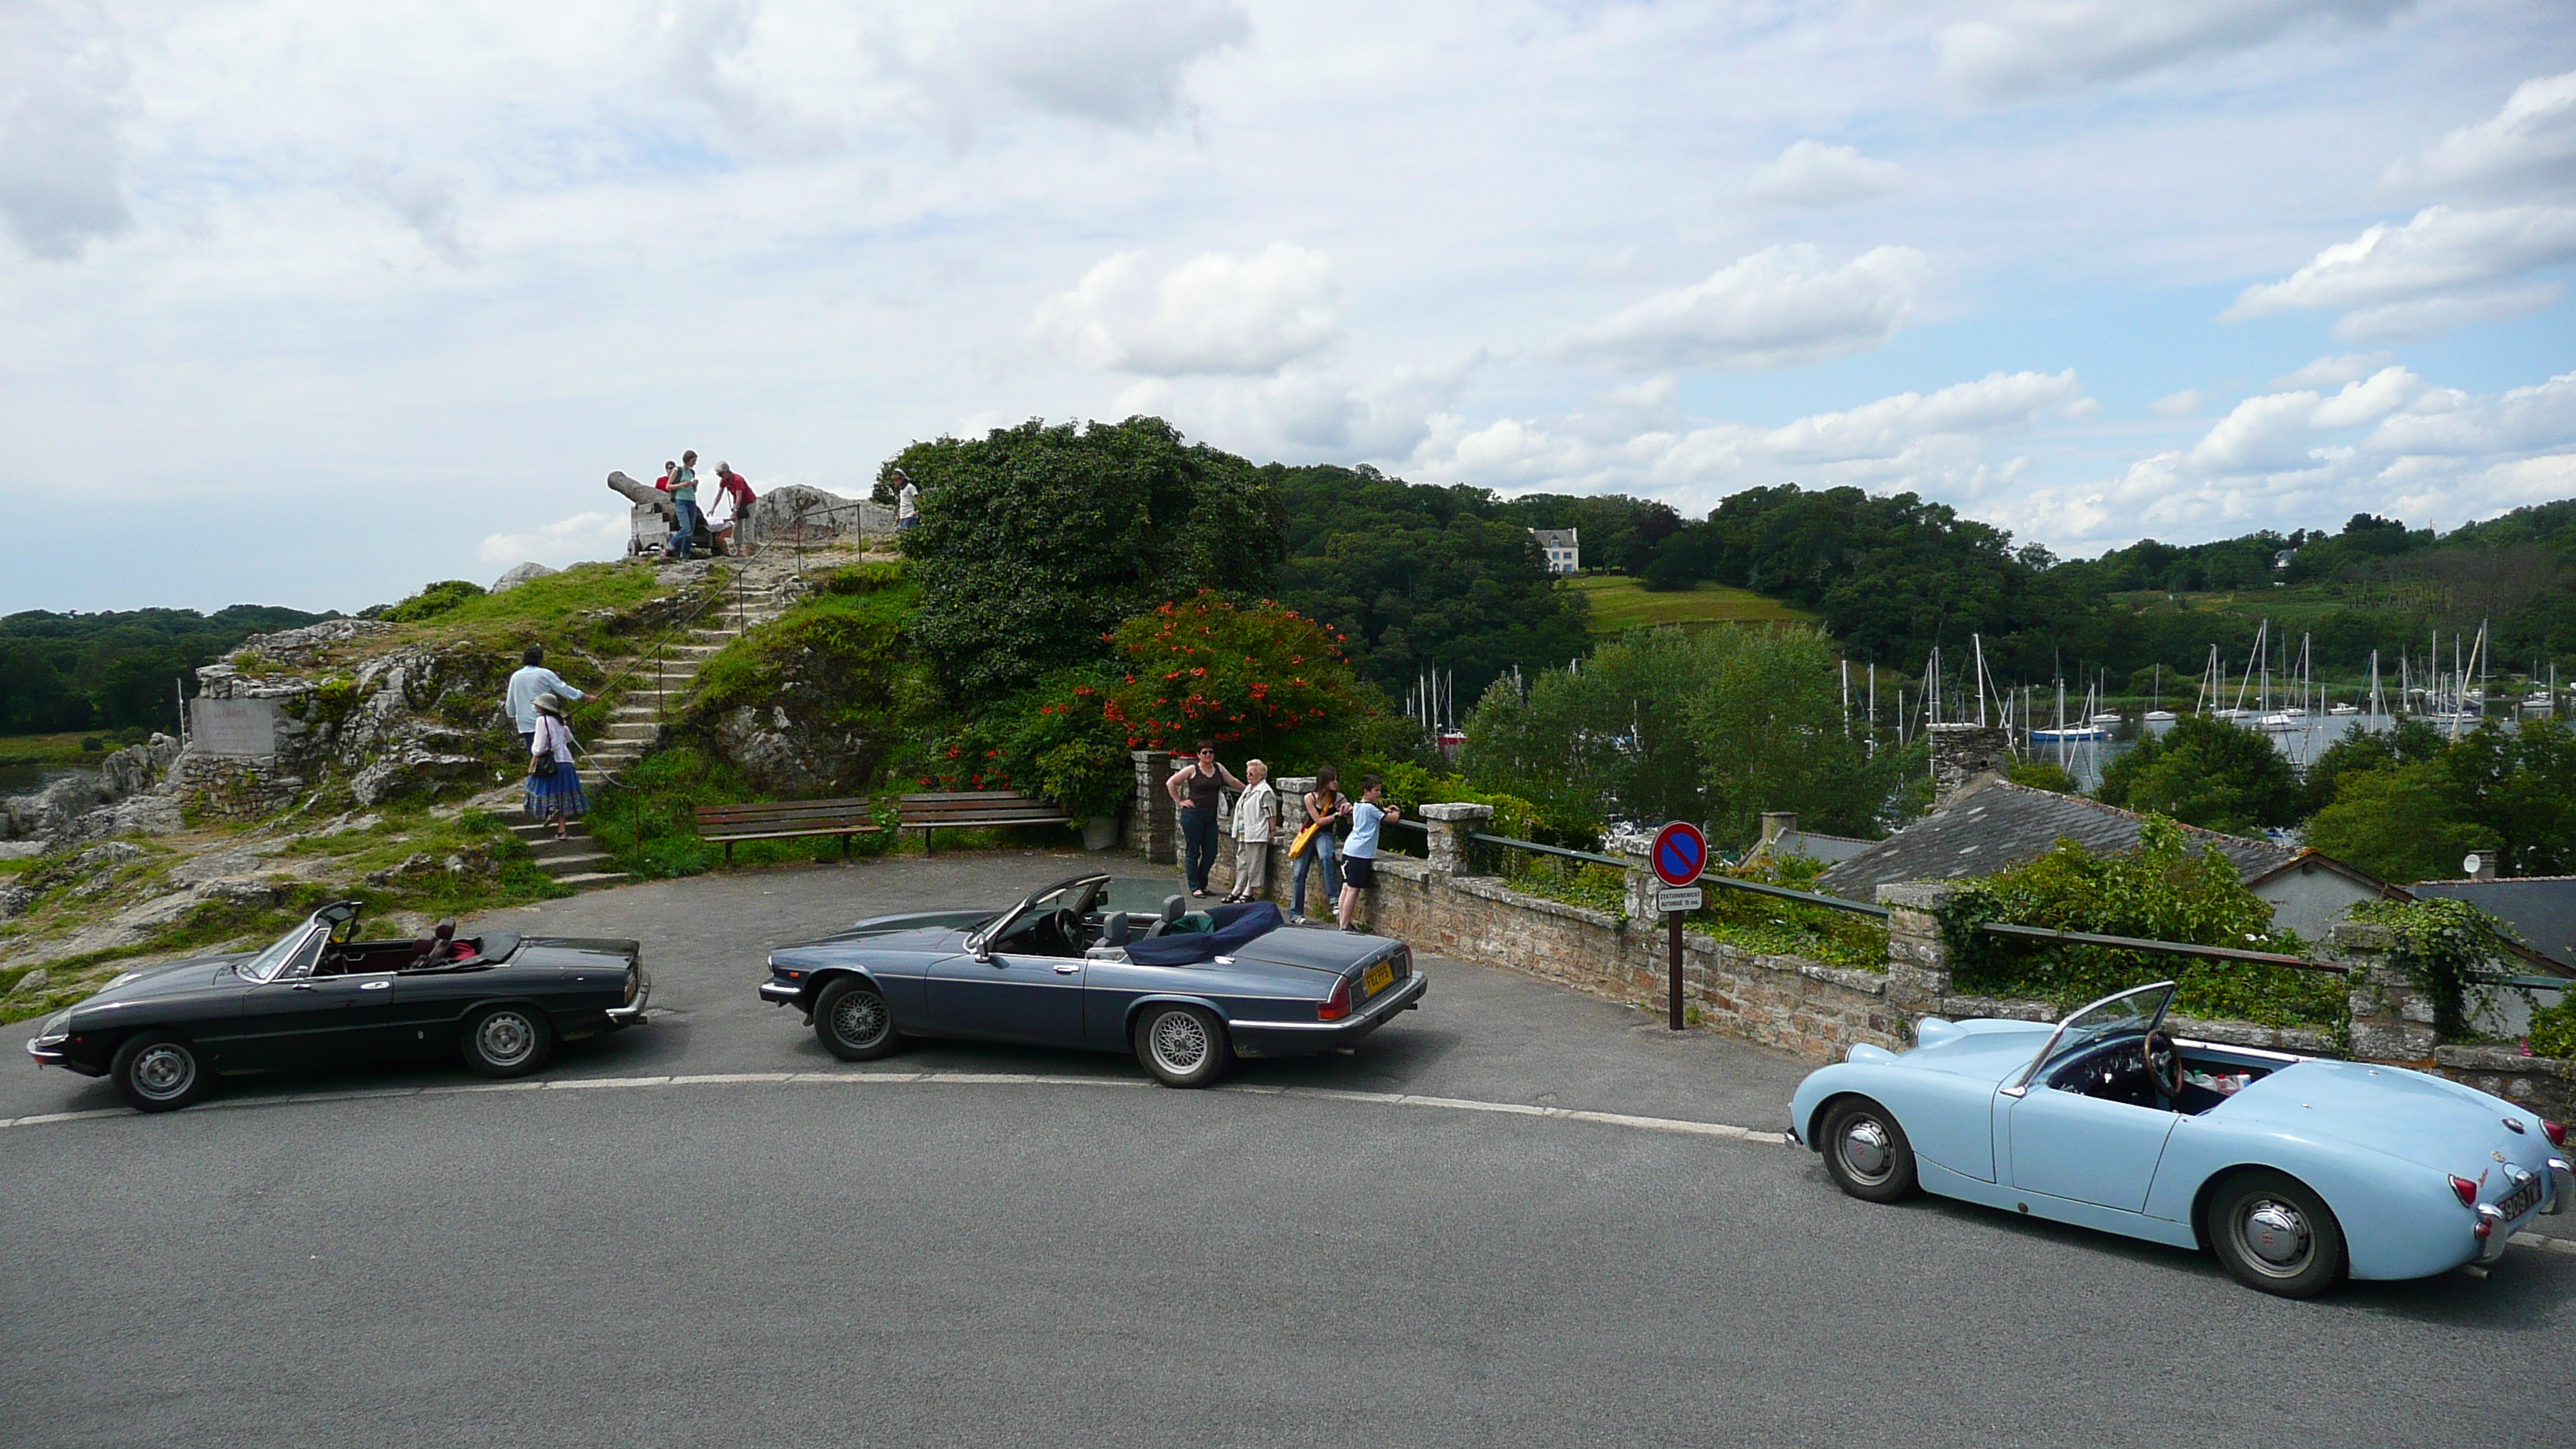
column 1183, row 1046
column 1866, row 1152
column 852, row 1022
column 159, row 1073
column 2275, row 1235
column 508, row 1041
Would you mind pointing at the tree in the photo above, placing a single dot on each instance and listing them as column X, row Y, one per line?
column 2206, row 772
column 2402, row 824
column 1715, row 726
column 1035, row 541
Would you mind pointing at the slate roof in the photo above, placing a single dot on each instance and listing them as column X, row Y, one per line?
column 2541, row 909
column 1827, row 848
column 1554, row 537
column 1996, row 824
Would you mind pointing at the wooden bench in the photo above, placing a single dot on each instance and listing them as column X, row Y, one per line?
column 786, row 819
column 974, row 809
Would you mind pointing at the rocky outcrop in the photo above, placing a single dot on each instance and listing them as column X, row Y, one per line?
column 115, row 801
column 518, row 576
column 792, row 510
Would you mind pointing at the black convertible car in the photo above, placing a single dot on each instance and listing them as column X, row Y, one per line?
column 320, row 997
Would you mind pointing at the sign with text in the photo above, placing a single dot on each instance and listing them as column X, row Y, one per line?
column 240, row 728
column 1684, row 898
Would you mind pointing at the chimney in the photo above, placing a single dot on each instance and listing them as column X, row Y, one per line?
column 1776, row 823
column 1963, row 754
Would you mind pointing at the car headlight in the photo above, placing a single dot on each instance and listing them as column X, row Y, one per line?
column 57, row 1028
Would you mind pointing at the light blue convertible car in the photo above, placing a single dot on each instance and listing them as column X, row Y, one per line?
column 2296, row 1171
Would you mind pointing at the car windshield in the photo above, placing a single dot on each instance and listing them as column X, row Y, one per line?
column 2131, row 1013
column 267, row 964
column 1075, row 894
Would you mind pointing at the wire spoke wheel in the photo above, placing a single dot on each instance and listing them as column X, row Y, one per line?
column 859, row 1019
column 1183, row 1046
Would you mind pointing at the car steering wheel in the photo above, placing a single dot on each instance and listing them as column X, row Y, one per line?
column 1066, row 923
column 2168, row 1078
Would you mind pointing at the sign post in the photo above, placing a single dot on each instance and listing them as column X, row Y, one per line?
column 1679, row 855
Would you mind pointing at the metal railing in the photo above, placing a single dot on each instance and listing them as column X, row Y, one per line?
column 2161, row 948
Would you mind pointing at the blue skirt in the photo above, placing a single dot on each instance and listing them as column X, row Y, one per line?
column 557, row 794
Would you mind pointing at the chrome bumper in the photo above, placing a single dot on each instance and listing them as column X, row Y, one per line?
column 2562, row 1185
column 632, row 1013
column 781, row 993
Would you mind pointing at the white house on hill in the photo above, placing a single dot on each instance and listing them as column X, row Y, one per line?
column 1564, row 553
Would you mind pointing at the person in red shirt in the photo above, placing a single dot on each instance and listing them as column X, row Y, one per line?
column 738, row 495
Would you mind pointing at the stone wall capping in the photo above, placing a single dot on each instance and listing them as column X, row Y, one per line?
column 1453, row 813
column 1919, row 895
column 2505, row 1059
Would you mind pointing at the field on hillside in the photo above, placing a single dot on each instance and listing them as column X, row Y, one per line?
column 1620, row 602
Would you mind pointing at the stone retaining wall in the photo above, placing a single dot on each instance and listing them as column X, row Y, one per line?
column 1802, row 1006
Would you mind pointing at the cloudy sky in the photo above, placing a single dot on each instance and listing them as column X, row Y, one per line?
column 309, row 303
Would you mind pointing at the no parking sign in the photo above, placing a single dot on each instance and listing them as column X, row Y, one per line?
column 1678, row 856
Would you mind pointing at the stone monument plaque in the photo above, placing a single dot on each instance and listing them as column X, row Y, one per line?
column 241, row 728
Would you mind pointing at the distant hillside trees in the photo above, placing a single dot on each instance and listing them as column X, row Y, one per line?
column 1421, row 577
column 68, row 672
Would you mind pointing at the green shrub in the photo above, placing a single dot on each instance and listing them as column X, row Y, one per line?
column 2163, row 891
column 430, row 602
column 2441, row 945
column 2553, row 1030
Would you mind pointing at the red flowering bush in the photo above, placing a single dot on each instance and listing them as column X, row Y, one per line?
column 1259, row 679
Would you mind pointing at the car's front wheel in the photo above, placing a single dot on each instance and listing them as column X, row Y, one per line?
column 508, row 1041
column 159, row 1073
column 1866, row 1153
column 851, row 1020
column 2275, row 1235
column 1183, row 1046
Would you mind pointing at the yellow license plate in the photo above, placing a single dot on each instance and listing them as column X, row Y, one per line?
column 1377, row 978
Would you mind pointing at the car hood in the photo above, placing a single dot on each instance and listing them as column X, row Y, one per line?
column 1983, row 1050
column 175, row 978
column 941, row 931
column 2406, row 1115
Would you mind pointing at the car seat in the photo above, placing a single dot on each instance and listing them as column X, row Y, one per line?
column 1115, row 932
column 433, row 951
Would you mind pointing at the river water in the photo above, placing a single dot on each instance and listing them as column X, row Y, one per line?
column 2307, row 738
column 27, row 779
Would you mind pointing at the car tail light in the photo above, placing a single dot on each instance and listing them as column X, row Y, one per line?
column 2556, row 1132
column 1338, row 1005
column 634, row 980
column 2465, row 1190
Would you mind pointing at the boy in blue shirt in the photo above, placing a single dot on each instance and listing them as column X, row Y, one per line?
column 1359, row 852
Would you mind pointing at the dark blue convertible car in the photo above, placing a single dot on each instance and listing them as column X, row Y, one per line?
column 1104, row 963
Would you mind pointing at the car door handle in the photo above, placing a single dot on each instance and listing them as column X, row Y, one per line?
column 303, row 986
column 377, row 986
column 1067, row 968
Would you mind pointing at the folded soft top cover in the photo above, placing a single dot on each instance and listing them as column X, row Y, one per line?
column 1236, row 926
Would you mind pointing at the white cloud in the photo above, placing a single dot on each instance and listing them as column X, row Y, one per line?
column 1780, row 307
column 581, row 537
column 425, row 202
column 62, row 101
column 1813, row 174
column 2430, row 455
column 2431, row 316
column 1307, row 412
column 1116, row 63
column 2332, row 371
column 2529, row 144
column 2038, row 47
column 2179, row 404
column 1911, row 440
column 1214, row 313
column 2443, row 268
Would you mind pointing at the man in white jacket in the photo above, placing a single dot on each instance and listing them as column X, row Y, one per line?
column 1256, row 815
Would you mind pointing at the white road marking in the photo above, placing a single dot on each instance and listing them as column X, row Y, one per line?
column 963, row 1079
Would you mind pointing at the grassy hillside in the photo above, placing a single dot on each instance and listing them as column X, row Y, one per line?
column 1621, row 602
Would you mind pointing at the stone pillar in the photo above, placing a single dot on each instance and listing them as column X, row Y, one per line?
column 1962, row 752
column 1156, row 830
column 2392, row 1020
column 1776, row 823
column 1292, row 804
column 1918, row 954
column 1448, row 826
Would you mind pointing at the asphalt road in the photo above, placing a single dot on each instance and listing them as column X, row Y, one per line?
column 1101, row 1261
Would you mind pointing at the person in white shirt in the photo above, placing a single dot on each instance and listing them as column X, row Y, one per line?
column 1256, row 816
column 1359, row 853
column 554, row 786
column 533, row 679
column 907, row 504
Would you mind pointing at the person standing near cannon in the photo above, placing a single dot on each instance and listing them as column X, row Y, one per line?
column 684, row 501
